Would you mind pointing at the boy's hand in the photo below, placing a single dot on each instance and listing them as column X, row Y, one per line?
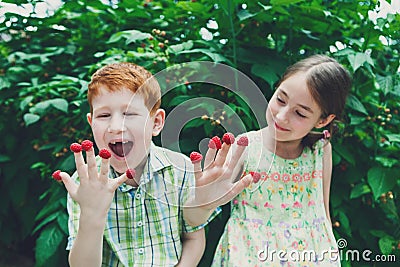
column 95, row 191
column 215, row 184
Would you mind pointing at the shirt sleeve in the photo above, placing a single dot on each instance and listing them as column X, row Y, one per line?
column 188, row 188
column 73, row 216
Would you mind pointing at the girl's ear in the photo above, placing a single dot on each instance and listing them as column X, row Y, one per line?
column 89, row 118
column 325, row 121
column 159, row 120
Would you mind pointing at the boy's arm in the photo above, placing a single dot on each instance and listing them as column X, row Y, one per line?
column 193, row 245
column 94, row 194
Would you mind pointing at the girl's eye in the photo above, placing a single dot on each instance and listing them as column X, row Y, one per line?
column 301, row 115
column 280, row 100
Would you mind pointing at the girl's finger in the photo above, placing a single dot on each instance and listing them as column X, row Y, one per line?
column 210, row 156
column 237, row 152
column 221, row 155
column 196, row 158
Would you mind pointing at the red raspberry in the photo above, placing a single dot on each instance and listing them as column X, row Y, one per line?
column 195, row 157
column 87, row 145
column 228, row 138
column 130, row 173
column 215, row 143
column 243, row 141
column 256, row 176
column 56, row 175
column 104, row 153
column 75, row 147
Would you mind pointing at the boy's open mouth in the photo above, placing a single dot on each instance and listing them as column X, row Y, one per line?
column 121, row 148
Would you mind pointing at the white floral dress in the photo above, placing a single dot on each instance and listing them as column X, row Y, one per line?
column 281, row 220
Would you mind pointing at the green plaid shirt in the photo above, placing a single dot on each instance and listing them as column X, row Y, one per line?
column 145, row 224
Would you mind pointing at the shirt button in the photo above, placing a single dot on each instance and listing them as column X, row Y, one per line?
column 141, row 250
column 139, row 224
column 138, row 196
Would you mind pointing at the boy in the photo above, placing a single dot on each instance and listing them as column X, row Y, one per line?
column 116, row 221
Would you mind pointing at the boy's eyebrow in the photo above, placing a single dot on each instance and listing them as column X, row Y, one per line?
column 303, row 106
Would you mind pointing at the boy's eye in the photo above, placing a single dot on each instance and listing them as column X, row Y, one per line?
column 103, row 115
column 129, row 114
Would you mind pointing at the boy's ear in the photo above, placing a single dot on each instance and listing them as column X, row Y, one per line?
column 159, row 120
column 325, row 121
column 89, row 118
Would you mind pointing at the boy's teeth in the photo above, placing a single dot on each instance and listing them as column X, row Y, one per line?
column 113, row 143
column 124, row 142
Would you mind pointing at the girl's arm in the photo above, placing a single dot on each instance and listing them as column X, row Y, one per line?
column 193, row 245
column 326, row 176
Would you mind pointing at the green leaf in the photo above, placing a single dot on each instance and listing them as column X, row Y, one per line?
column 382, row 180
column 285, row 2
column 214, row 56
column 60, row 104
column 386, row 244
column 344, row 223
column 345, row 153
column 176, row 49
column 130, row 36
column 265, row 72
column 47, row 244
column 245, row 14
column 4, row 158
column 358, row 59
column 354, row 103
column 393, row 137
column 46, row 220
column 30, row 118
column 359, row 190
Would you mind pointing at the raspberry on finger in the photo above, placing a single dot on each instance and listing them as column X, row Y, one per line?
column 228, row 138
column 56, row 175
column 104, row 153
column 195, row 157
column 87, row 145
column 75, row 147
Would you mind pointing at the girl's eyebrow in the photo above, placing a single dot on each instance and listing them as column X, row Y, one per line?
column 302, row 106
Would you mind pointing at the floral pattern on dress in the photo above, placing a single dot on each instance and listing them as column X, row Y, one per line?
column 284, row 211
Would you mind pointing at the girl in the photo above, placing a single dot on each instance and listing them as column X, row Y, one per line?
column 283, row 220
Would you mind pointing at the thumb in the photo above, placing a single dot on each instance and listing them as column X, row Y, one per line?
column 69, row 184
column 119, row 181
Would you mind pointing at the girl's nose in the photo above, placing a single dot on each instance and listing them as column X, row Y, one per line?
column 282, row 115
column 117, row 124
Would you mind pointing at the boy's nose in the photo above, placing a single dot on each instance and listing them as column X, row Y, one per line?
column 117, row 124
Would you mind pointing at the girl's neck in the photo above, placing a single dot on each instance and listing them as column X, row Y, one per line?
column 284, row 149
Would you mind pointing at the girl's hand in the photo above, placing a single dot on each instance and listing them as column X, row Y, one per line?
column 95, row 191
column 215, row 184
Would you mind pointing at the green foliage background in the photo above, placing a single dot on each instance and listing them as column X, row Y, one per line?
column 46, row 63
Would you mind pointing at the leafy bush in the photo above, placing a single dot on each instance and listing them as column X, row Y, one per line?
column 46, row 64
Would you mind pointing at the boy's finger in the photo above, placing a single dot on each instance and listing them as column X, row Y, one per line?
column 104, row 168
column 91, row 164
column 81, row 167
column 119, row 181
column 69, row 184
